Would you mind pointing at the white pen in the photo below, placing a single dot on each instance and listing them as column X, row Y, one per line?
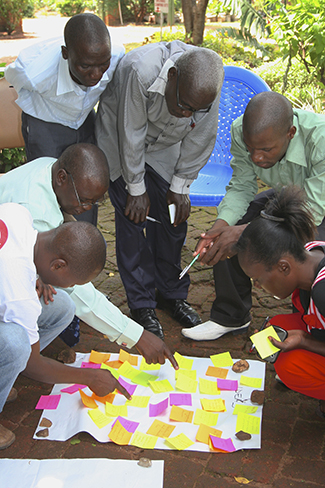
column 185, row 270
column 153, row 220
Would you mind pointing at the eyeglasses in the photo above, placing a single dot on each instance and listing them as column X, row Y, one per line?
column 80, row 203
column 189, row 108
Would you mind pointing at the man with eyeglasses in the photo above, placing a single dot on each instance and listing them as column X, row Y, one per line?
column 157, row 124
column 47, row 187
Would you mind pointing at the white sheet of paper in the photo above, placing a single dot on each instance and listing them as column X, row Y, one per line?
column 71, row 415
column 79, row 473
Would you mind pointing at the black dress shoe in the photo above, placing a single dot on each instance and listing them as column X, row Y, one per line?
column 180, row 310
column 148, row 319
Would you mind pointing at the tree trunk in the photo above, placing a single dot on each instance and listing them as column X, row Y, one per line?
column 188, row 13
column 199, row 21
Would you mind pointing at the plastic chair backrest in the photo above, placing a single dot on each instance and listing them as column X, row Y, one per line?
column 10, row 117
column 239, row 86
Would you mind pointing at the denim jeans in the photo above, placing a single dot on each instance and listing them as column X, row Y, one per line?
column 15, row 348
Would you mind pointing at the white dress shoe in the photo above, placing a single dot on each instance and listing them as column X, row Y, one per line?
column 210, row 331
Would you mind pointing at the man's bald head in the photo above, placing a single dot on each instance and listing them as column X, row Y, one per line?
column 85, row 28
column 268, row 110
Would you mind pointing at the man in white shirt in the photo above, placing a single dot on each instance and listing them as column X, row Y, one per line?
column 74, row 183
column 27, row 325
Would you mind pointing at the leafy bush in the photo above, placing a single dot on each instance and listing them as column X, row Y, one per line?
column 68, row 8
column 11, row 13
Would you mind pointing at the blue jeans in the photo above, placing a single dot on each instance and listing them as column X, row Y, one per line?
column 15, row 348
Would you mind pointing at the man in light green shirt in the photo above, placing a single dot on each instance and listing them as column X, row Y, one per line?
column 73, row 183
column 281, row 146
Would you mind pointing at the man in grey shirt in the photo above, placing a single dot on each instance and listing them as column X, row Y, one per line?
column 157, row 124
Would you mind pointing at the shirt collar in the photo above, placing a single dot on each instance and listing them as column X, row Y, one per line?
column 296, row 150
column 159, row 85
column 66, row 83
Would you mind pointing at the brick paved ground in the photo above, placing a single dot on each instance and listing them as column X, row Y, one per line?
column 293, row 436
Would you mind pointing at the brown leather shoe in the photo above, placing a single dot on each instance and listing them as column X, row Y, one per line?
column 12, row 395
column 6, row 437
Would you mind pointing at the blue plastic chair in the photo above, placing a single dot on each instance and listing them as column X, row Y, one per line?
column 239, row 86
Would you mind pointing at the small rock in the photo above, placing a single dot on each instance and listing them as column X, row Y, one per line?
column 145, row 462
column 42, row 433
column 257, row 396
column 240, row 366
column 45, row 423
column 67, row 356
column 243, row 436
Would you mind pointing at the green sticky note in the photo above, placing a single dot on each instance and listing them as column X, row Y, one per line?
column 264, row 347
column 248, row 423
column 252, row 382
column 112, row 370
column 223, row 359
column 143, row 378
column 161, row 386
column 184, row 363
column 243, row 409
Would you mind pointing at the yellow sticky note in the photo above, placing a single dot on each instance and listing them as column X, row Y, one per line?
column 127, row 370
column 263, row 345
column 191, row 373
column 143, row 440
column 243, row 409
column 184, row 363
column 114, row 373
column 184, row 383
column 203, row 433
column 126, row 356
column 119, row 434
column 87, row 401
column 222, row 360
column 180, row 414
column 108, row 398
column 160, row 429
column 248, row 423
column 252, row 382
column 144, row 366
column 116, row 410
column 180, row 442
column 208, row 387
column 98, row 357
column 216, row 405
column 138, row 401
column 99, row 417
column 206, row 418
column 161, row 386
column 217, row 372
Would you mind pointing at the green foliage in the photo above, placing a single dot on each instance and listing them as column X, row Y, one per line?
column 299, row 31
column 11, row 13
column 253, row 18
column 68, row 8
column 11, row 158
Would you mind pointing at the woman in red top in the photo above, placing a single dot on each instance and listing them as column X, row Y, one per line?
column 272, row 250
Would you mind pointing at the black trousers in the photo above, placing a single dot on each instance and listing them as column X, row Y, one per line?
column 50, row 139
column 233, row 302
column 149, row 254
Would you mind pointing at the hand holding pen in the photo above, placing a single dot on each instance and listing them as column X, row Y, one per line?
column 263, row 327
column 185, row 270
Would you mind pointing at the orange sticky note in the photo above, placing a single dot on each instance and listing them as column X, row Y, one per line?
column 113, row 364
column 126, row 356
column 181, row 415
column 203, row 433
column 119, row 434
column 217, row 372
column 87, row 401
column 160, row 429
column 108, row 398
column 98, row 357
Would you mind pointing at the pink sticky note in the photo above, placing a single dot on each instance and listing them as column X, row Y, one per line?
column 129, row 425
column 129, row 388
column 231, row 385
column 180, row 399
column 224, row 444
column 90, row 365
column 48, row 402
column 158, row 408
column 73, row 388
